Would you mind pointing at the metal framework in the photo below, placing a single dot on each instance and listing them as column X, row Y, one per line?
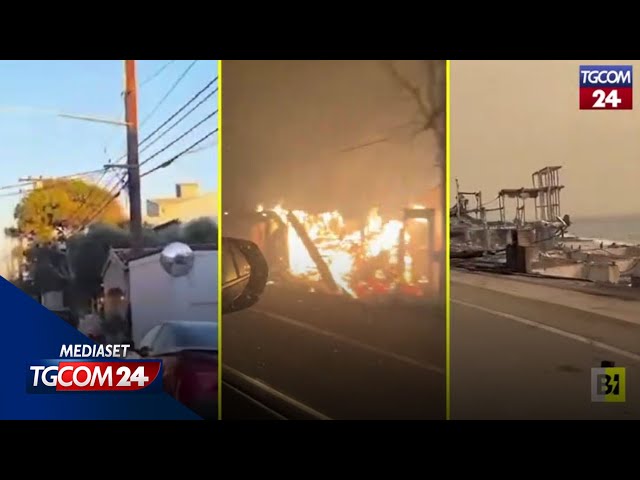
column 547, row 182
column 462, row 200
column 545, row 194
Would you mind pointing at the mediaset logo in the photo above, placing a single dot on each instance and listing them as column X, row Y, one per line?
column 606, row 87
column 93, row 368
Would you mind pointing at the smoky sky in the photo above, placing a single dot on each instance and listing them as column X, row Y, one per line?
column 510, row 118
column 289, row 127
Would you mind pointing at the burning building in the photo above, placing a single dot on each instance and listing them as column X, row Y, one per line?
column 373, row 257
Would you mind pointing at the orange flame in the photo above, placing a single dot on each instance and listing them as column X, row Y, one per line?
column 345, row 252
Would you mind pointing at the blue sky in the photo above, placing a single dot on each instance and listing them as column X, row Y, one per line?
column 34, row 142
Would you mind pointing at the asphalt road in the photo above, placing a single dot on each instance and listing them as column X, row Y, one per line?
column 337, row 357
column 516, row 358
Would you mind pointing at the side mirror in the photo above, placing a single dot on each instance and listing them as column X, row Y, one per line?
column 144, row 351
column 244, row 274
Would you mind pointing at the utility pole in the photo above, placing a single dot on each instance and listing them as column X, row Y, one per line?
column 131, row 118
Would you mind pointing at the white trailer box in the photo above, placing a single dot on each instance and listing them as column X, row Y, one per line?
column 156, row 297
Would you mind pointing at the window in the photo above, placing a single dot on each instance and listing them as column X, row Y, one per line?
column 152, row 209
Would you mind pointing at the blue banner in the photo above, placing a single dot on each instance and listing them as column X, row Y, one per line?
column 31, row 332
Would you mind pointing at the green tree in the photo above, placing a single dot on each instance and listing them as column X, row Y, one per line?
column 88, row 253
column 202, row 230
column 49, row 268
column 69, row 203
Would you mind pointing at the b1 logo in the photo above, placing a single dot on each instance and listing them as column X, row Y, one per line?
column 606, row 87
column 608, row 384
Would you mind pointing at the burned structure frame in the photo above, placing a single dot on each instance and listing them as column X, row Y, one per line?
column 545, row 192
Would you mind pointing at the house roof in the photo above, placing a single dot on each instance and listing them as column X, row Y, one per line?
column 178, row 200
column 167, row 224
column 125, row 255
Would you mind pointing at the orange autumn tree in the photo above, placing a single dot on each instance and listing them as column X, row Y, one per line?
column 70, row 203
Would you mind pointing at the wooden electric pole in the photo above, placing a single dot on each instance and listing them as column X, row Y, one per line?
column 131, row 117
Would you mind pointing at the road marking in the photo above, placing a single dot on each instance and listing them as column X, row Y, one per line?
column 273, row 392
column 253, row 401
column 352, row 342
column 573, row 336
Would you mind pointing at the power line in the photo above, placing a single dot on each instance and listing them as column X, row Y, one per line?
column 104, row 174
column 43, row 179
column 15, row 194
column 189, row 149
column 121, row 184
column 175, row 157
column 113, row 194
column 130, row 97
column 157, row 73
column 76, row 212
column 176, row 140
column 180, row 120
column 169, row 92
column 175, row 114
column 162, row 100
column 203, row 147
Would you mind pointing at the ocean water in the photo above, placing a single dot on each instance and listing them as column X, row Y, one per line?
column 619, row 229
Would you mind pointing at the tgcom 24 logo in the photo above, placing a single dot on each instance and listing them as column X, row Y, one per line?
column 94, row 368
column 606, row 87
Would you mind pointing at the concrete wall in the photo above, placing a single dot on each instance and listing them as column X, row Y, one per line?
column 545, row 237
column 526, row 237
column 596, row 272
column 634, row 270
column 156, row 297
column 205, row 205
column 625, row 265
column 576, row 270
column 605, row 273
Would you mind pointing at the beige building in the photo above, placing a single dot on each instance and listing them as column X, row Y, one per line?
column 188, row 204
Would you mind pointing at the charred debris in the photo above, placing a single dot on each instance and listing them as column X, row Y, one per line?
column 536, row 241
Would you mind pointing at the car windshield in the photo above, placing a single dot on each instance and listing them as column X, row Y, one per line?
column 187, row 336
